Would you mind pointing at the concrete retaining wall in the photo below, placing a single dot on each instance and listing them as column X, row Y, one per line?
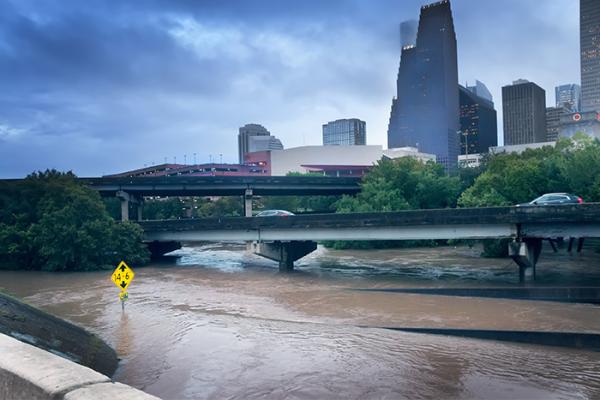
column 34, row 326
column 27, row 372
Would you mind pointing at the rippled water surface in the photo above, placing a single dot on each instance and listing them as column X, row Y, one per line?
column 217, row 323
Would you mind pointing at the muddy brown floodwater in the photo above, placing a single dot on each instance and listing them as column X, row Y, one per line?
column 217, row 323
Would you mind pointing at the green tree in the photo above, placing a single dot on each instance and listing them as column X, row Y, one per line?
column 580, row 166
column 400, row 184
column 55, row 223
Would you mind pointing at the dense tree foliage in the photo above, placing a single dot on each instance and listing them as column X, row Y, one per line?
column 49, row 221
column 402, row 184
column 573, row 165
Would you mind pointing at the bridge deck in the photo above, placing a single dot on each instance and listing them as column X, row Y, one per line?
column 467, row 223
column 225, row 185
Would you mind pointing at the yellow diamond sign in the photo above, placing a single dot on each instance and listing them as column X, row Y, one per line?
column 122, row 276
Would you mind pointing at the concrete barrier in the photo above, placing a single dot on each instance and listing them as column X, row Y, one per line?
column 27, row 372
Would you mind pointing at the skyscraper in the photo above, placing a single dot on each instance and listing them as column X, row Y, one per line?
column 425, row 113
column 524, row 111
column 478, row 121
column 553, row 115
column 408, row 33
column 480, row 90
column 245, row 132
column 589, row 35
column 569, row 97
column 345, row 132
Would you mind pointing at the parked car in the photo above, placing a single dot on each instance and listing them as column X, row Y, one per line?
column 550, row 199
column 274, row 213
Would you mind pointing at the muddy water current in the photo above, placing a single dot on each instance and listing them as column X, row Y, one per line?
column 215, row 322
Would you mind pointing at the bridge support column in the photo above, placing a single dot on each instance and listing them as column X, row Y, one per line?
column 248, row 203
column 125, row 199
column 283, row 252
column 139, row 208
column 526, row 254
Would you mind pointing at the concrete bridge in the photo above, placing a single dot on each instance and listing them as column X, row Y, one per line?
column 133, row 190
column 286, row 239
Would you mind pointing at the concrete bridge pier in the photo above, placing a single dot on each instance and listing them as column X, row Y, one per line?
column 126, row 200
column 526, row 254
column 283, row 252
column 248, row 203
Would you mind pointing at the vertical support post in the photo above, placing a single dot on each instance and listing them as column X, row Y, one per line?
column 286, row 261
column 125, row 199
column 124, row 210
column 248, row 203
column 579, row 245
column 526, row 254
column 570, row 248
column 140, row 208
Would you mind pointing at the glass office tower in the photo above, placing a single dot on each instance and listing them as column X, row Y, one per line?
column 425, row 113
column 345, row 132
column 589, row 31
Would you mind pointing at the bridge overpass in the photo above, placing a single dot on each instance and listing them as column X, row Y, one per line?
column 286, row 239
column 133, row 190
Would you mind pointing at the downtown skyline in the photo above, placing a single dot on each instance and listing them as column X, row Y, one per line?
column 99, row 95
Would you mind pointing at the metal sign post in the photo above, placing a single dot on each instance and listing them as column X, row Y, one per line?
column 122, row 277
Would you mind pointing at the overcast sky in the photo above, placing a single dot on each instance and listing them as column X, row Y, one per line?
column 99, row 87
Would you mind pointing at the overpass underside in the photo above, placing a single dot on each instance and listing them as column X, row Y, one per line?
column 291, row 237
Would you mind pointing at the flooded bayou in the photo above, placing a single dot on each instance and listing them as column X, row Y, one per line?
column 216, row 322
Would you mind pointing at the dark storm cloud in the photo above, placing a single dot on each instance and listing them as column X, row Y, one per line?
column 99, row 86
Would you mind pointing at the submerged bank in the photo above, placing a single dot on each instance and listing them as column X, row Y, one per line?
column 36, row 327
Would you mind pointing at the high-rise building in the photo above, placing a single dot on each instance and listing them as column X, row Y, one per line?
column 408, row 33
column 569, row 97
column 524, row 111
column 245, row 132
column 553, row 115
column 345, row 132
column 263, row 143
column 478, row 120
column 589, row 39
column 425, row 113
column 479, row 89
